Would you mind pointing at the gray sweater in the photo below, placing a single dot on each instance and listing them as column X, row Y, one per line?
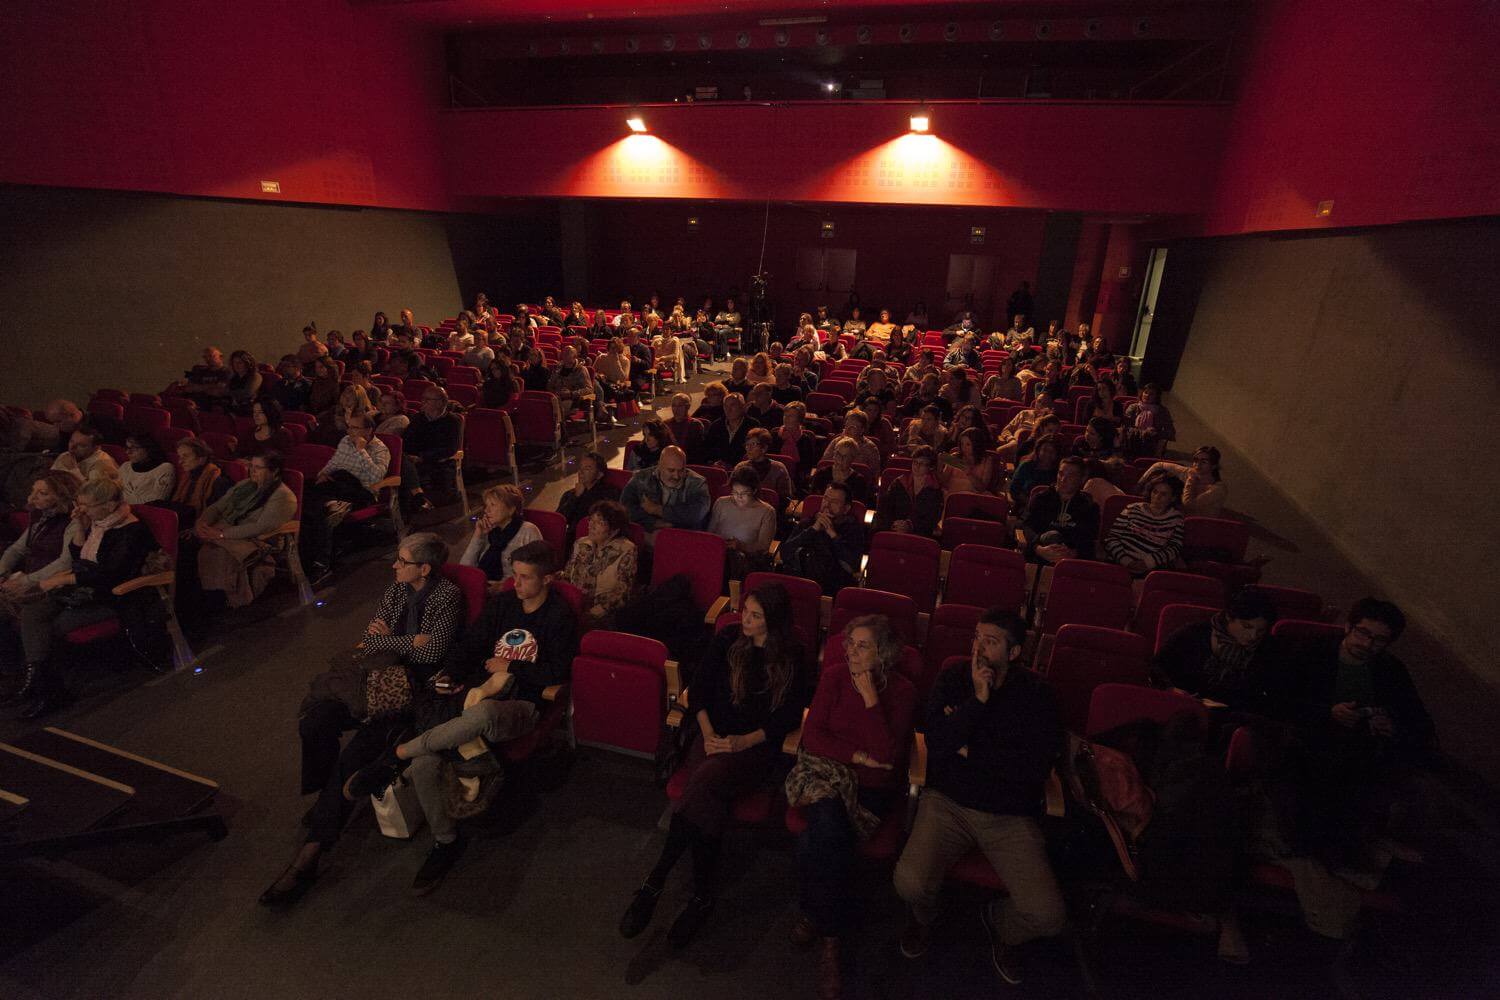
column 278, row 509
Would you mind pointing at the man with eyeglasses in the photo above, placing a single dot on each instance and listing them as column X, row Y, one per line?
column 1362, row 726
column 427, row 448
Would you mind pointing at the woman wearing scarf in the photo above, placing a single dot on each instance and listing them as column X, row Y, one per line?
column 201, row 483
column 229, row 530
column 498, row 532
column 109, row 547
column 603, row 564
column 1226, row 658
column 42, row 549
column 147, row 477
column 850, row 770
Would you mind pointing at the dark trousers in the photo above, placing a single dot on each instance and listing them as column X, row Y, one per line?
column 326, row 765
column 317, row 539
column 714, row 782
column 426, row 474
column 826, row 852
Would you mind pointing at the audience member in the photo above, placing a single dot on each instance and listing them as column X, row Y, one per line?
column 1037, row 469
column 1204, row 491
column 725, row 441
column 828, row 547
column 293, row 390
column 1063, row 522
column 428, row 445
column 969, row 467
column 644, row 453
column 108, row 546
column 391, row 414
column 1003, row 384
column 147, row 475
column 42, row 549
column 687, row 432
column 312, row 348
column 770, row 472
column 670, row 495
column 228, row 532
column 747, row 694
column 350, row 477
column 267, row 431
column 1148, row 424
column 603, row 564
column 244, row 383
column 912, row 503
column 84, row 459
column 763, row 408
column 323, row 395
column 856, row 429
column 843, row 452
column 992, row 737
column 419, row 617
column 1147, row 534
column 590, row 488
column 745, row 522
column 793, row 439
column 1227, row 658
column 200, row 482
column 500, row 532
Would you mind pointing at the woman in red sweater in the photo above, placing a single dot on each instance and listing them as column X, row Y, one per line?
column 850, row 771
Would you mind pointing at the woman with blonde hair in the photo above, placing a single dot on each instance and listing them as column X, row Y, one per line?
column 42, row 549
column 761, row 369
column 498, row 533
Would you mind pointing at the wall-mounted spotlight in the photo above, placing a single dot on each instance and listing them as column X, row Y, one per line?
column 636, row 123
column 921, row 120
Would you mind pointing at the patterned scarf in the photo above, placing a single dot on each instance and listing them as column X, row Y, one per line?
column 1227, row 659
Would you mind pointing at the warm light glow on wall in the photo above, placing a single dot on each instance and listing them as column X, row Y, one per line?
column 636, row 123
column 917, row 168
column 643, row 166
column 920, row 123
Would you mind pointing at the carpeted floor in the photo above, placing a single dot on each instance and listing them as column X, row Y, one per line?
column 530, row 911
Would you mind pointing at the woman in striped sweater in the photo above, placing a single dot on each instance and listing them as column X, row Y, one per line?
column 1148, row 535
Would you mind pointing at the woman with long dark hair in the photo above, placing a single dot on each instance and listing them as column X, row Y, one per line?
column 747, row 694
column 380, row 330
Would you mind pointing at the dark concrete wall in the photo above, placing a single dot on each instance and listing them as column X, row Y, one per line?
column 1361, row 373
column 123, row 290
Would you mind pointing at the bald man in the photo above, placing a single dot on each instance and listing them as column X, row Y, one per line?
column 667, row 495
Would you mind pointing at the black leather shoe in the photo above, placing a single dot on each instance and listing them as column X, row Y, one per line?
column 638, row 914
column 290, row 887
column 440, row 859
column 693, row 916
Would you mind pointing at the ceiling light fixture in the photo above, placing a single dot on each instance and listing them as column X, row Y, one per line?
column 921, row 119
column 636, row 123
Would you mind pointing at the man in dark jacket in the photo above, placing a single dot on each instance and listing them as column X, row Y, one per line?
column 1063, row 523
column 1362, row 725
column 590, row 489
column 992, row 737
column 1228, row 658
column 427, row 447
column 829, row 549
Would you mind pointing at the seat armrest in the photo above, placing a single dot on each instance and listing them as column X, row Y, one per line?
column 1056, row 804
column 290, row 528
column 388, row 483
column 140, row 582
column 555, row 693
column 717, row 608
column 916, row 763
column 673, row 670
column 793, row 739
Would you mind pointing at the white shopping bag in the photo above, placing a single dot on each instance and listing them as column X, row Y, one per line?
column 397, row 811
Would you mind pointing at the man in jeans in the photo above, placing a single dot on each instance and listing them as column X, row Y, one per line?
column 992, row 737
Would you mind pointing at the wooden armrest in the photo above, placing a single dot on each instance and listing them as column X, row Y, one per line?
column 916, row 764
column 673, row 670
column 775, row 545
column 717, row 608
column 674, row 718
column 793, row 739
column 736, row 586
column 1054, row 794
column 555, row 692
column 290, row 528
column 154, row 580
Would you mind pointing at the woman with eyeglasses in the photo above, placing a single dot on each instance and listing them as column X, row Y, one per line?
column 745, row 522
column 747, row 694
column 108, row 547
column 603, row 564
column 228, row 531
column 850, row 772
column 146, row 476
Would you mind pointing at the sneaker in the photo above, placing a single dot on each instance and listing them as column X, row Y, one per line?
column 638, row 914
column 914, row 939
column 441, row 858
column 375, row 778
column 692, row 918
column 1002, row 956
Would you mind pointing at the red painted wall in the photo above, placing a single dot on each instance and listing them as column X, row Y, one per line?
column 1386, row 107
column 1127, row 158
column 335, row 103
column 902, row 253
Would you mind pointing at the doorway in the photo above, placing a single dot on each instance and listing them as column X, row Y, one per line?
column 1147, row 310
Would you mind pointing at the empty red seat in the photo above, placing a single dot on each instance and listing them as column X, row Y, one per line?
column 972, row 531
column 986, row 576
column 554, row 529
column 697, row 554
column 490, row 442
column 146, row 419
column 1085, row 592
column 1113, row 705
column 1162, row 587
column 1214, row 539
column 905, row 564
column 619, row 692
column 950, row 632
column 1085, row 656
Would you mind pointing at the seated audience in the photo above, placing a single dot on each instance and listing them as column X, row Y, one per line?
column 762, row 407
column 1148, row 424
column 293, row 391
column 323, row 393
column 745, row 522
column 419, row 617
column 1037, row 469
column 772, row 474
column 84, row 459
column 747, row 694
column 849, row 774
column 268, row 433
column 391, row 415
column 349, row 478
column 499, row 386
column 912, row 503
column 992, row 737
column 687, row 432
column 857, row 429
column 712, row 406
column 147, row 476
column 312, row 348
column 244, row 382
column 1003, row 384
column 612, row 370
column 571, row 383
column 108, row 546
column 843, row 452
column 1364, row 735
column 929, row 393
column 654, row 437
column 669, row 495
column 200, row 482
column 1104, row 404
column 969, row 467
column 1062, row 523
column 536, row 376
column 603, row 563
column 41, row 551
column 1147, row 534
column 227, row 534
column 428, row 445
column 828, row 547
column 590, row 488
column 784, row 391
column 725, row 442
column 1204, row 491
column 1228, row 658
column 490, row 690
column 794, row 440
column 498, row 534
